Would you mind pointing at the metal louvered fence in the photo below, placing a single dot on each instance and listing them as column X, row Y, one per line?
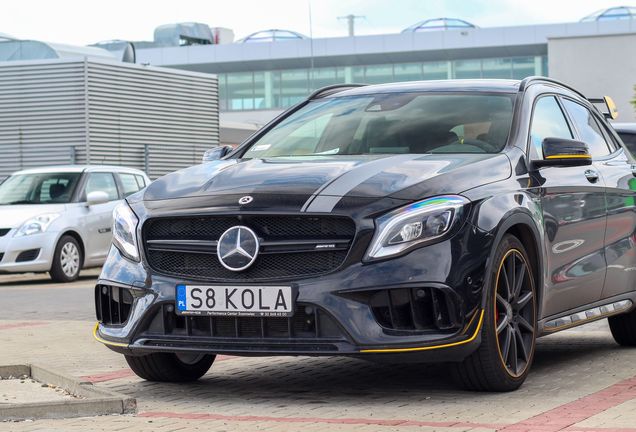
column 97, row 112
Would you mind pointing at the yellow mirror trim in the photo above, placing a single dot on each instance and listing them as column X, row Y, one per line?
column 568, row 156
column 611, row 107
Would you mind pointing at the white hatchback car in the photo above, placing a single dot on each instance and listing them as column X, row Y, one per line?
column 59, row 219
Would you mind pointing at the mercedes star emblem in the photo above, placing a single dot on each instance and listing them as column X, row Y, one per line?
column 237, row 248
column 246, row 200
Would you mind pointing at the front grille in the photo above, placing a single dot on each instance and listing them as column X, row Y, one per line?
column 291, row 246
column 4, row 231
column 415, row 309
column 307, row 324
column 28, row 255
column 112, row 304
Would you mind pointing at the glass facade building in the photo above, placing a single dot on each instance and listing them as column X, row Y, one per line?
column 280, row 89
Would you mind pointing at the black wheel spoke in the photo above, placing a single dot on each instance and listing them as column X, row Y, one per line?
column 522, row 346
column 506, row 281
column 519, row 280
column 525, row 324
column 513, row 355
column 510, row 276
column 523, row 300
column 506, row 344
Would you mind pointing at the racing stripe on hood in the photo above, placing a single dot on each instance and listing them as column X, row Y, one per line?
column 327, row 196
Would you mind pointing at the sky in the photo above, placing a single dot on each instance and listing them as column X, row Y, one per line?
column 85, row 22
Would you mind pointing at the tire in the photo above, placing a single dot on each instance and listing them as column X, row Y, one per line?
column 514, row 312
column 170, row 367
column 623, row 328
column 67, row 260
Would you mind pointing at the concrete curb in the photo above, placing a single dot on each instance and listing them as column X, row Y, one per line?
column 94, row 401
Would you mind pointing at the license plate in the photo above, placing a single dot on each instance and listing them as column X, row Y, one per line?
column 260, row 301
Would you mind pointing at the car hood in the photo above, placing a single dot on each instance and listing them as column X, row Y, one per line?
column 13, row 216
column 317, row 183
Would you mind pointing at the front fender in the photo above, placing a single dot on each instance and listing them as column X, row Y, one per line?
column 518, row 212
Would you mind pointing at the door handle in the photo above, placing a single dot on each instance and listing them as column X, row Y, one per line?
column 591, row 176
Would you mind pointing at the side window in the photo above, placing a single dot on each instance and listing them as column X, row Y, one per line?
column 130, row 182
column 104, row 182
column 141, row 181
column 630, row 141
column 548, row 121
column 588, row 128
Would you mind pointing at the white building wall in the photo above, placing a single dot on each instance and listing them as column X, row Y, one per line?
column 598, row 66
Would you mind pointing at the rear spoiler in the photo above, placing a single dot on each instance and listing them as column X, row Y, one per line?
column 608, row 108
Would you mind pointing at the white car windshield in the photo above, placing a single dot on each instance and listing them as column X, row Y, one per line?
column 392, row 123
column 40, row 188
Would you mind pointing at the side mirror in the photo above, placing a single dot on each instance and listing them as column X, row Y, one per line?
column 216, row 153
column 564, row 152
column 96, row 197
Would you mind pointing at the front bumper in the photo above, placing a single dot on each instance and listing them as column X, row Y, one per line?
column 455, row 266
column 11, row 247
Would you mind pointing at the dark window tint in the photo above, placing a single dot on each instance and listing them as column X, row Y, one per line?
column 589, row 130
column 548, row 121
column 104, row 182
column 130, row 182
column 630, row 141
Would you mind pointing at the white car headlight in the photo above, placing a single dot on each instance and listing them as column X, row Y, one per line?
column 125, row 231
column 416, row 223
column 36, row 225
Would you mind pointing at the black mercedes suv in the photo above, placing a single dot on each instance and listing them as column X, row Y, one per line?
column 439, row 221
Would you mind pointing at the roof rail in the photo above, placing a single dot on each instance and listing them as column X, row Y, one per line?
column 529, row 80
column 331, row 89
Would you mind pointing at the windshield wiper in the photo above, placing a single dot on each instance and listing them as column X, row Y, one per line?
column 20, row 202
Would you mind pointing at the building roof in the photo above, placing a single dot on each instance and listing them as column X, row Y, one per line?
column 439, row 24
column 272, row 35
column 613, row 13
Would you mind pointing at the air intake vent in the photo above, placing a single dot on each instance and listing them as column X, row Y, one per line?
column 113, row 304
column 415, row 309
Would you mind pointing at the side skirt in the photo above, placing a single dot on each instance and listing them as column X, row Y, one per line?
column 587, row 313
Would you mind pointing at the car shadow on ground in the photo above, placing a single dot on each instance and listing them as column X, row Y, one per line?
column 330, row 380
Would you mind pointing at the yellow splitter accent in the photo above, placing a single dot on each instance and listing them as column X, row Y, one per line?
column 104, row 341
column 568, row 156
column 432, row 347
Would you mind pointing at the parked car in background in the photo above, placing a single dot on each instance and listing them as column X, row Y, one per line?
column 627, row 132
column 59, row 219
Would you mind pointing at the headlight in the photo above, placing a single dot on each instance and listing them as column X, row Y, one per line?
column 416, row 223
column 36, row 225
column 125, row 231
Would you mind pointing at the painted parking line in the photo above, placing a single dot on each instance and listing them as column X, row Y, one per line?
column 561, row 418
column 126, row 373
column 567, row 415
column 17, row 325
column 339, row 421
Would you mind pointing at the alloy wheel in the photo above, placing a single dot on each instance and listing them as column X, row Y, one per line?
column 515, row 313
column 70, row 259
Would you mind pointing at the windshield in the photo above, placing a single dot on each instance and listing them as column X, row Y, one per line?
column 44, row 188
column 392, row 123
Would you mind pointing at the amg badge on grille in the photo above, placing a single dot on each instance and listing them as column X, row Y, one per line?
column 237, row 248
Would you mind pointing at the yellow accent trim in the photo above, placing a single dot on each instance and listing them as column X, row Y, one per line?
column 106, row 342
column 427, row 348
column 611, row 107
column 568, row 156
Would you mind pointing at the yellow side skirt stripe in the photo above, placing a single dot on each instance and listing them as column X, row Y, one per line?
column 104, row 341
column 432, row 347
